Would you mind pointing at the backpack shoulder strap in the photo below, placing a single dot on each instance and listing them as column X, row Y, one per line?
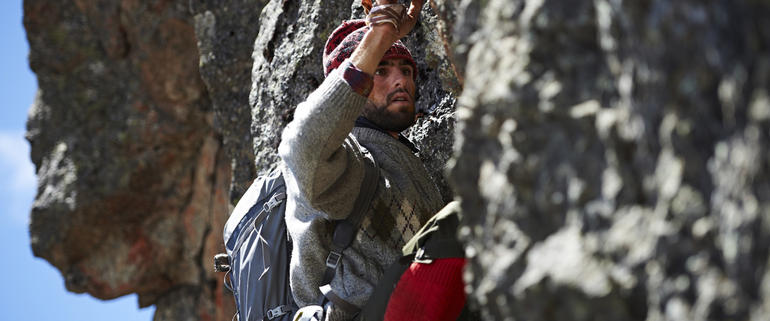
column 345, row 230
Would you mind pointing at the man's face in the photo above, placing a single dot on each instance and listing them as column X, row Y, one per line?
column 391, row 102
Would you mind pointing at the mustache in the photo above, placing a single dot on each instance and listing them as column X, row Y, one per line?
column 389, row 97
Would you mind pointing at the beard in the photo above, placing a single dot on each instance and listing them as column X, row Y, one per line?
column 395, row 121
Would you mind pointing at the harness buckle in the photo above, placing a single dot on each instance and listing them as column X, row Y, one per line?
column 420, row 257
column 333, row 259
column 276, row 312
column 272, row 203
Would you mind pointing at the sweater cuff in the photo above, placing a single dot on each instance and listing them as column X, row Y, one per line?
column 359, row 81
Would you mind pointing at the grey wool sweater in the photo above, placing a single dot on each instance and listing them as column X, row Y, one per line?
column 323, row 177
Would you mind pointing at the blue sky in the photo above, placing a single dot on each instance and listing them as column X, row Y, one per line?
column 33, row 289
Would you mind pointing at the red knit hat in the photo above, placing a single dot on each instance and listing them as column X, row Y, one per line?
column 344, row 40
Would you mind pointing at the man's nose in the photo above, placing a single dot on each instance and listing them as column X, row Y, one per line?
column 399, row 81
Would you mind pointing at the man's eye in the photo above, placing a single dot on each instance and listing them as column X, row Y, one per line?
column 380, row 72
column 406, row 71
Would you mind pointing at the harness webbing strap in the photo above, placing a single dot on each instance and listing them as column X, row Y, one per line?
column 345, row 230
column 339, row 302
column 378, row 302
column 439, row 248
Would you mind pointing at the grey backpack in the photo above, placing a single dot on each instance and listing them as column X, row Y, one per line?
column 258, row 251
column 259, row 248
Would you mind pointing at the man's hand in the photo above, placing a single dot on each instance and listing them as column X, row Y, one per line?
column 411, row 17
column 381, row 36
column 406, row 24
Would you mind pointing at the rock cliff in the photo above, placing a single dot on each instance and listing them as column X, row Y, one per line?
column 132, row 176
column 612, row 159
column 611, row 156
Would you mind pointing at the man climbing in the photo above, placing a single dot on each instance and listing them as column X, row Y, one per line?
column 369, row 90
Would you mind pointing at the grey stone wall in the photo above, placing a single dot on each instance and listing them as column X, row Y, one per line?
column 619, row 154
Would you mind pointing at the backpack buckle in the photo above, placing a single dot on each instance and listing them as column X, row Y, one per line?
column 272, row 203
column 333, row 260
column 276, row 312
column 420, row 257
column 221, row 263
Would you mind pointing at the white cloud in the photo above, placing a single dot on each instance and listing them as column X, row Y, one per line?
column 18, row 177
column 14, row 157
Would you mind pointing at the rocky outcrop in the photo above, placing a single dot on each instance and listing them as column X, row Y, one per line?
column 611, row 156
column 612, row 159
column 132, row 177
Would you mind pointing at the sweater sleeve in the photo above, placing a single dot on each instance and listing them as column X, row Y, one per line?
column 328, row 171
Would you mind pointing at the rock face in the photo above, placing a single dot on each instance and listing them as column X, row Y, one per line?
column 287, row 68
column 226, row 31
column 611, row 156
column 612, row 159
column 132, row 177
